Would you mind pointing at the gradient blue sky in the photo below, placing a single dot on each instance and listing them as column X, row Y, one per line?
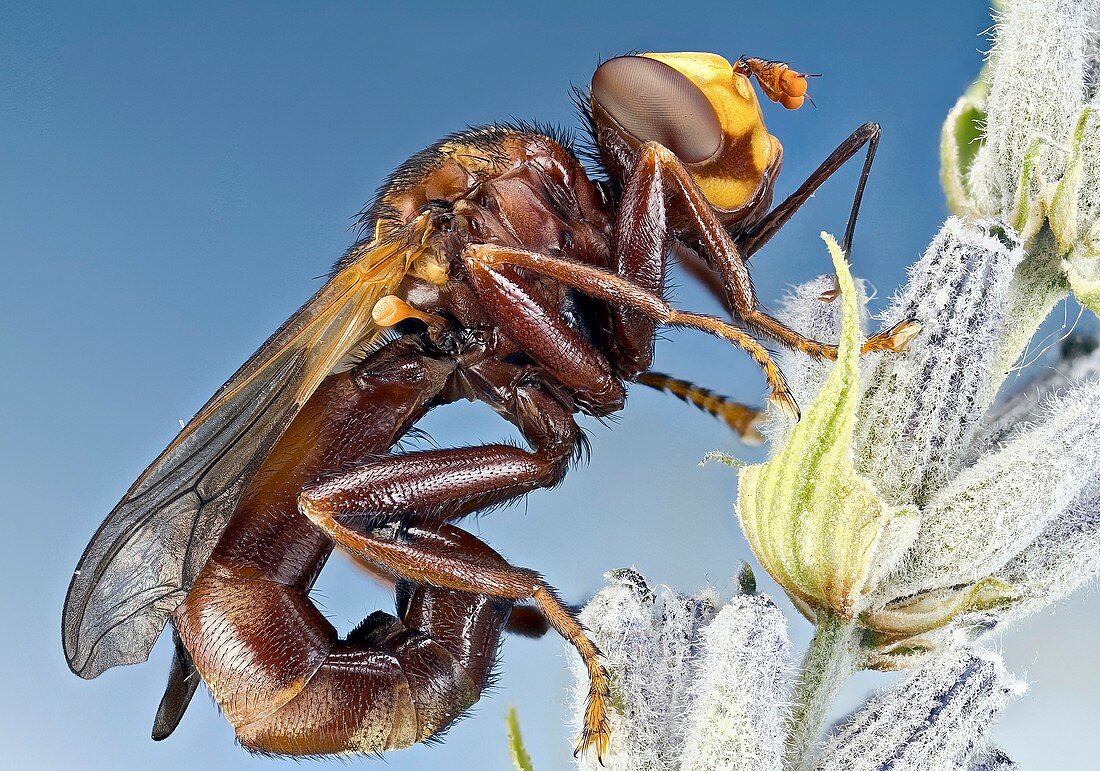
column 173, row 177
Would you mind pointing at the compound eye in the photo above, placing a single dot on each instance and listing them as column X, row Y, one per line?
column 653, row 102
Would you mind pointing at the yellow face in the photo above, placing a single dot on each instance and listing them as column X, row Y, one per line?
column 732, row 176
column 700, row 107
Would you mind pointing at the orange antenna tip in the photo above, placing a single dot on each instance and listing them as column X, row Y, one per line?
column 794, row 83
column 792, row 102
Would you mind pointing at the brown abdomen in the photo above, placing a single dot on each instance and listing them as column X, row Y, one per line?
column 275, row 665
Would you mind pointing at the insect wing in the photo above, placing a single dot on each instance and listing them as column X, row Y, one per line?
column 145, row 556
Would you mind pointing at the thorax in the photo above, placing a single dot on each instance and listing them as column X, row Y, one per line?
column 499, row 186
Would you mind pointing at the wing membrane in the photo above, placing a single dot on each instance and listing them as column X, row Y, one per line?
column 145, row 556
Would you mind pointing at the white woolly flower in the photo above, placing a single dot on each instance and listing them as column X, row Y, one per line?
column 1036, row 94
column 693, row 686
column 992, row 759
column 1003, row 494
column 1023, row 144
column 935, row 719
column 698, row 687
column 1007, row 494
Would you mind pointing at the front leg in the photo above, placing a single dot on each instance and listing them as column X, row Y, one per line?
column 751, row 240
column 759, row 234
column 640, row 243
column 721, row 253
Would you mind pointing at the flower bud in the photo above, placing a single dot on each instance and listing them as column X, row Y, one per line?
column 819, row 528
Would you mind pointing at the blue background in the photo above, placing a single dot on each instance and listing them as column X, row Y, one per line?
column 173, row 177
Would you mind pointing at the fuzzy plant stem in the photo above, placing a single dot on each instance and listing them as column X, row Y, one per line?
column 825, row 667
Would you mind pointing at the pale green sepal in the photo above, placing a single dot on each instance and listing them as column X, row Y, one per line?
column 1040, row 201
column 933, row 609
column 1063, row 212
column 1083, row 274
column 813, row 522
column 720, row 457
column 960, row 139
column 1030, row 210
column 1077, row 240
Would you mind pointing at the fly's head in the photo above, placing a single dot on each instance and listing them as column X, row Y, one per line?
column 705, row 111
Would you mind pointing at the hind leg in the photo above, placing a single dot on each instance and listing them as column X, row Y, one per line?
column 439, row 555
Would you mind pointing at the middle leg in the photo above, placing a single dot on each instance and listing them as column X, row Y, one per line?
column 447, row 484
column 623, row 295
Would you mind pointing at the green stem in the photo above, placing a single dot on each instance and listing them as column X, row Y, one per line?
column 520, row 759
column 825, row 667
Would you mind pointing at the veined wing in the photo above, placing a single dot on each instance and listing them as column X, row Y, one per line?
column 145, row 556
